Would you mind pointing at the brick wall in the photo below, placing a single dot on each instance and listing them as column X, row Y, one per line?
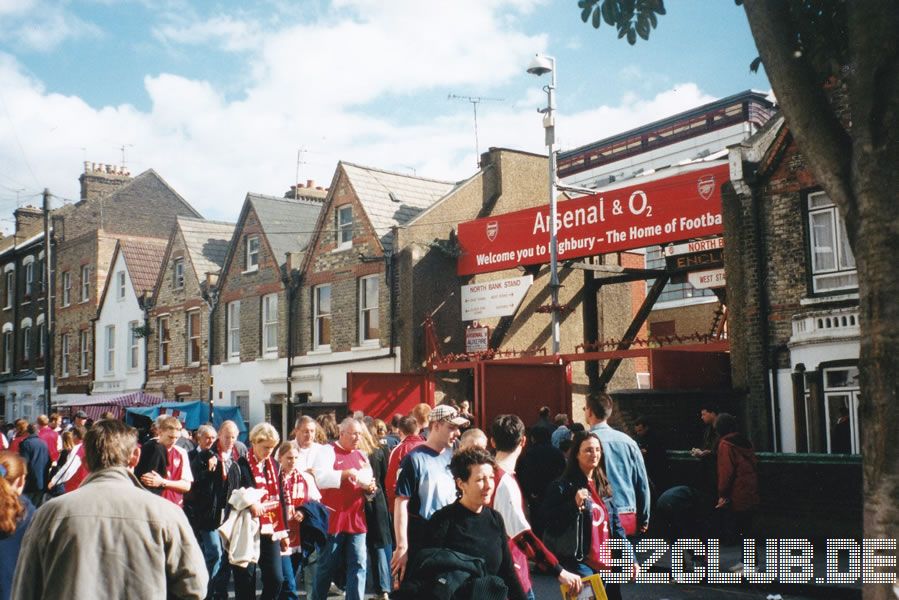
column 190, row 380
column 248, row 287
column 342, row 269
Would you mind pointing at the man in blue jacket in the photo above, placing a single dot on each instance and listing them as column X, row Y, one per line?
column 35, row 453
column 624, row 465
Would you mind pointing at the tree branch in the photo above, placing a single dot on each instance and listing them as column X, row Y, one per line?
column 810, row 117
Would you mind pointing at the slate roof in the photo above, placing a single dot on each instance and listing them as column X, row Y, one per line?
column 144, row 260
column 288, row 224
column 392, row 199
column 207, row 244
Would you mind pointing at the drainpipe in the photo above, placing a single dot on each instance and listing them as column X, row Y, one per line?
column 145, row 302
column 390, row 276
column 211, row 297
column 292, row 285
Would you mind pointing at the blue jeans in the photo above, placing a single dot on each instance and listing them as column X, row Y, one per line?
column 382, row 580
column 289, row 587
column 211, row 545
column 349, row 547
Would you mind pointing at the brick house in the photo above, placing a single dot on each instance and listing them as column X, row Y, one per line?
column 121, row 349
column 113, row 206
column 349, row 287
column 184, row 291
column 793, row 290
column 507, row 181
column 22, row 317
column 252, row 317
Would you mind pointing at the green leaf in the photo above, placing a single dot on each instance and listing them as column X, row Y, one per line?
column 755, row 64
column 609, row 12
column 597, row 19
column 585, row 13
column 652, row 19
column 622, row 31
column 643, row 27
column 631, row 36
column 659, row 7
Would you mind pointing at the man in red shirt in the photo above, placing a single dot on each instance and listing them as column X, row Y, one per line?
column 409, row 439
column 177, row 479
column 346, row 526
column 48, row 436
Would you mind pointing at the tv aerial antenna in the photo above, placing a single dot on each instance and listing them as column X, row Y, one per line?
column 475, row 100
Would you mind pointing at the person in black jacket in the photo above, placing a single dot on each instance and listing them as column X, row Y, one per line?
column 469, row 526
column 580, row 502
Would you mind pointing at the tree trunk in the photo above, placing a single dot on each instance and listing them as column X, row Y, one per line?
column 862, row 177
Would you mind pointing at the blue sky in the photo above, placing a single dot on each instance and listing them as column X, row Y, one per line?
column 218, row 97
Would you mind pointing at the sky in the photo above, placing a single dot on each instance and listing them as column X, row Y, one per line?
column 223, row 98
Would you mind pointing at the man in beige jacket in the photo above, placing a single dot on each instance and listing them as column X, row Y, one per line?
column 110, row 538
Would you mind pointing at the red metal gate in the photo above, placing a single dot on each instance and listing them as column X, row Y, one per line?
column 521, row 389
column 382, row 395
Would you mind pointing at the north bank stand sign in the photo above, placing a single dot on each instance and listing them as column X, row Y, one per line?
column 656, row 211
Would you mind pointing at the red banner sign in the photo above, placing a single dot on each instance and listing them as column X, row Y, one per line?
column 656, row 212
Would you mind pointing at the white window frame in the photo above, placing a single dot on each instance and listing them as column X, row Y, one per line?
column 121, row 285
column 109, row 340
column 191, row 335
column 133, row 346
column 84, row 348
column 85, row 283
column 66, row 288
column 344, row 226
column 29, row 279
column 319, row 317
column 253, row 243
column 164, row 337
column 64, row 351
column 178, row 273
column 364, row 308
column 844, row 261
column 26, row 343
column 233, row 330
column 10, row 288
column 7, row 351
column 270, row 324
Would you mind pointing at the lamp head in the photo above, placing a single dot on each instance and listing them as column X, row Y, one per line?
column 540, row 65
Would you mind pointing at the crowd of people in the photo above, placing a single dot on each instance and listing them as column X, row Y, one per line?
column 425, row 506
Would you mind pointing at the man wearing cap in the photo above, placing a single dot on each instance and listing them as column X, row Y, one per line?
column 424, row 484
column 79, row 419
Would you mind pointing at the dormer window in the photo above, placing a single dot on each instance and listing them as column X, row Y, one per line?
column 345, row 226
column 252, row 253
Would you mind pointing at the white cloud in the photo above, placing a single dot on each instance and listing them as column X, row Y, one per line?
column 41, row 26
column 324, row 86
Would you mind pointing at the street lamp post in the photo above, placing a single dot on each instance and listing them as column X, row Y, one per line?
column 541, row 65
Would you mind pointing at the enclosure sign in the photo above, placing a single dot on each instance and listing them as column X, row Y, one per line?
column 494, row 298
column 476, row 339
column 679, row 207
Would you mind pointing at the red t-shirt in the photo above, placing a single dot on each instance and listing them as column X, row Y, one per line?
column 599, row 532
column 51, row 440
column 296, row 493
column 81, row 474
column 393, row 466
column 347, row 502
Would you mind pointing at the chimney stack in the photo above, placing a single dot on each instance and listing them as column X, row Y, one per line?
column 100, row 179
column 29, row 220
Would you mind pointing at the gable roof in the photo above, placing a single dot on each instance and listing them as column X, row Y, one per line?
column 144, row 260
column 288, row 224
column 207, row 244
column 392, row 199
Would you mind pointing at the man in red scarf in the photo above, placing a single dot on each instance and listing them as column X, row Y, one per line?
column 346, row 526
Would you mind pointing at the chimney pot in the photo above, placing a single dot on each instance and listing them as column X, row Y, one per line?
column 310, row 183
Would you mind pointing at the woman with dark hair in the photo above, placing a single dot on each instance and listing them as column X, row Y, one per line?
column 470, row 527
column 16, row 511
column 580, row 517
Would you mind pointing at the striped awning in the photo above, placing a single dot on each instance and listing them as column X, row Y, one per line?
column 95, row 406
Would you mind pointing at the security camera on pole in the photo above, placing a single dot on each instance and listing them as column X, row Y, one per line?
column 541, row 65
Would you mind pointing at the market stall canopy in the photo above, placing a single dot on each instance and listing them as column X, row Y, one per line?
column 96, row 405
column 192, row 415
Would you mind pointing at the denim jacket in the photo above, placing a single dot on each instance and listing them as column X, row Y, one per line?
column 626, row 472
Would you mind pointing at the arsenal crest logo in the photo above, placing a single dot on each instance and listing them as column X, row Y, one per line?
column 706, row 186
column 492, row 230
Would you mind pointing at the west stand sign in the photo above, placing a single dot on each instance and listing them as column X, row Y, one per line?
column 658, row 211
